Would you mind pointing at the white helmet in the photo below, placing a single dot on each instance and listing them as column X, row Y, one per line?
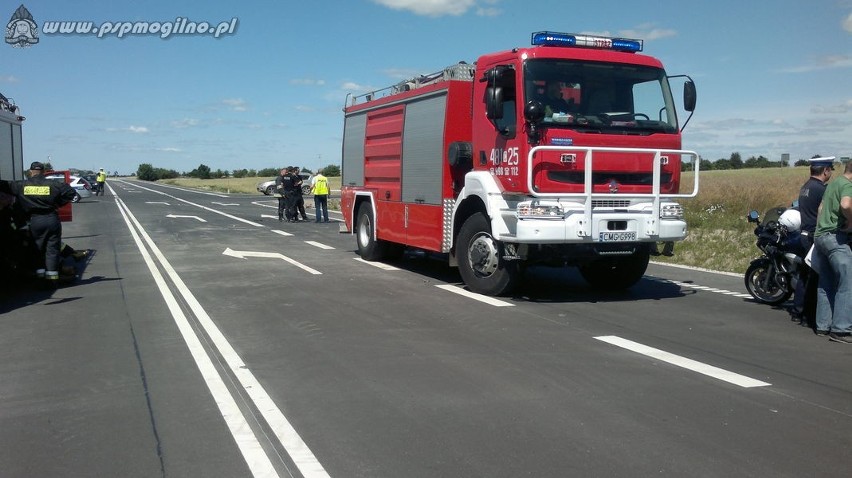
column 791, row 219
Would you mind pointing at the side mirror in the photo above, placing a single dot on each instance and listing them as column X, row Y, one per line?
column 534, row 111
column 753, row 216
column 494, row 103
column 534, row 114
column 690, row 96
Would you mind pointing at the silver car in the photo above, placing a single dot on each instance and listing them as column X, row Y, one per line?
column 80, row 185
column 268, row 187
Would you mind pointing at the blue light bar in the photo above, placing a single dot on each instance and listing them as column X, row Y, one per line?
column 586, row 41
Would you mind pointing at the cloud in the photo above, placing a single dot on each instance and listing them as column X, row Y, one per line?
column 235, row 104
column 185, row 123
column 307, row 82
column 839, row 108
column 129, row 129
column 847, row 23
column 647, row 32
column 430, row 8
column 828, row 62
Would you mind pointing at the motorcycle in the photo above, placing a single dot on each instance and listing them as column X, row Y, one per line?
column 771, row 278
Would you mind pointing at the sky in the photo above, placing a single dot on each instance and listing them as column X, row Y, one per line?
column 773, row 77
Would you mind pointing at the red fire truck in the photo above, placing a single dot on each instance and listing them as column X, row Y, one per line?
column 564, row 153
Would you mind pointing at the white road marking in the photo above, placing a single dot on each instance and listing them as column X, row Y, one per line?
column 378, row 264
column 473, row 295
column 157, row 202
column 689, row 364
column 185, row 217
column 256, row 458
column 276, row 231
column 269, row 255
column 269, row 216
column 225, row 203
column 251, row 449
column 229, row 216
column 690, row 285
column 320, row 245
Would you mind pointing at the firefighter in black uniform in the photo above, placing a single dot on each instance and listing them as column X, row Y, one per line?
column 40, row 198
column 289, row 183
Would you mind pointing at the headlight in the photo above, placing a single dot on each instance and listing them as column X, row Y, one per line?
column 537, row 210
column 671, row 211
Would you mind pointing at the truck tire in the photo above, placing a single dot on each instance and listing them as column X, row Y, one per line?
column 369, row 248
column 616, row 273
column 480, row 259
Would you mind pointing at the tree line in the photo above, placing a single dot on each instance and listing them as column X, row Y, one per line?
column 148, row 172
column 736, row 162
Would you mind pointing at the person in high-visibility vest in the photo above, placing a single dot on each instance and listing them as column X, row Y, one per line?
column 101, row 179
column 319, row 188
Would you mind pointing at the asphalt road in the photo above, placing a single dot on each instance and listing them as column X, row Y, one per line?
column 204, row 338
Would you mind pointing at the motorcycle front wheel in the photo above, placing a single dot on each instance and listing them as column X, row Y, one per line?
column 762, row 287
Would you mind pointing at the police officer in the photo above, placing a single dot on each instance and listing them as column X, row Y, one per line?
column 279, row 191
column 40, row 198
column 290, row 184
column 101, row 180
column 300, row 199
column 810, row 197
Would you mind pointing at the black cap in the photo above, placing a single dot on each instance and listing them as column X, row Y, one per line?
column 36, row 166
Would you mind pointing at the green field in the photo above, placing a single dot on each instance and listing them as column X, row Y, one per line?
column 232, row 185
column 719, row 236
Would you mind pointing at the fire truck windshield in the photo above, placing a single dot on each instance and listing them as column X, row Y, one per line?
column 604, row 96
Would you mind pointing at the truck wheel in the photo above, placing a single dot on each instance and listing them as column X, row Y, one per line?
column 616, row 273
column 269, row 190
column 481, row 264
column 369, row 248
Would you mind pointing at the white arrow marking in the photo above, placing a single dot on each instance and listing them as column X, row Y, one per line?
column 157, row 202
column 188, row 217
column 226, row 203
column 269, row 255
column 319, row 244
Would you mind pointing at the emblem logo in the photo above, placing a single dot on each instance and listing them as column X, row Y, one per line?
column 22, row 30
column 613, row 186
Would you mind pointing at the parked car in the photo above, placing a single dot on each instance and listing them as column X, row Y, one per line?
column 80, row 185
column 268, row 187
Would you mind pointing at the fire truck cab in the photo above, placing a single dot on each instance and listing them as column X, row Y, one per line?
column 564, row 153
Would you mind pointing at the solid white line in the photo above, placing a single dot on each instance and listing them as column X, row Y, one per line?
column 684, row 362
column 678, row 266
column 320, row 245
column 296, row 448
column 475, row 296
column 229, row 216
column 377, row 264
column 249, row 446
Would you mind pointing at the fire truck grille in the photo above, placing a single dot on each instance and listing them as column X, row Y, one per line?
column 611, row 203
column 579, row 177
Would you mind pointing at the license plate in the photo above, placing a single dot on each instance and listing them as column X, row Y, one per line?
column 617, row 236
